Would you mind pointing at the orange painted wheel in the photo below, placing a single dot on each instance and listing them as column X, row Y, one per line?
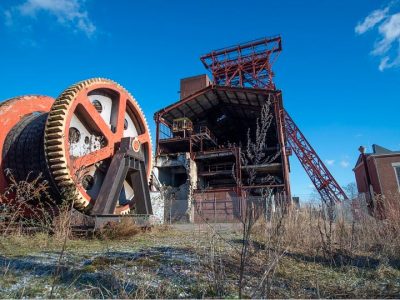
column 83, row 131
column 15, row 114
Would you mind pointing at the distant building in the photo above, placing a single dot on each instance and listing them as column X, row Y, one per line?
column 383, row 166
column 384, row 171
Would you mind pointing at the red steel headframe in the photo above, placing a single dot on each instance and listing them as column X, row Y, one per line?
column 320, row 176
column 249, row 65
column 245, row 65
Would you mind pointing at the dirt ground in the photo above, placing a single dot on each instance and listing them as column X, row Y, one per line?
column 176, row 262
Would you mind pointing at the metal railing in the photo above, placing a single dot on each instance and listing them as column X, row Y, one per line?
column 218, row 167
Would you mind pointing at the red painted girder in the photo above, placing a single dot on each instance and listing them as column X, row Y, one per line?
column 320, row 176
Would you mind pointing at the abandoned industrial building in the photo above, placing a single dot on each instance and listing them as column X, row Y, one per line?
column 199, row 148
column 202, row 138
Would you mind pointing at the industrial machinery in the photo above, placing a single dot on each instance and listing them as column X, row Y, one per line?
column 93, row 142
column 182, row 127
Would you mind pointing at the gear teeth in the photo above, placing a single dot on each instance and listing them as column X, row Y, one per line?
column 53, row 130
column 58, row 111
column 55, row 144
column 59, row 172
column 54, row 123
column 56, row 135
column 61, row 178
column 54, row 148
column 125, row 211
column 58, row 166
column 54, row 154
column 57, row 117
column 59, row 107
column 55, row 160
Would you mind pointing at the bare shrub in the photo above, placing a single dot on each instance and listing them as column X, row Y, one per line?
column 255, row 153
column 120, row 230
column 26, row 203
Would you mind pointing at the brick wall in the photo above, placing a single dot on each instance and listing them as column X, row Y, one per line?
column 361, row 177
column 382, row 173
column 387, row 173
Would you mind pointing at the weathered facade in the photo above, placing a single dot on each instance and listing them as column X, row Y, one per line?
column 199, row 141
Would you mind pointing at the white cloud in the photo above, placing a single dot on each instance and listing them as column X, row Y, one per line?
column 69, row 13
column 329, row 162
column 344, row 163
column 371, row 20
column 387, row 47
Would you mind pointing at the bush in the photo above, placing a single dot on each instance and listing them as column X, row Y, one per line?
column 119, row 230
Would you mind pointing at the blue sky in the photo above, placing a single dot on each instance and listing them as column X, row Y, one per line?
column 339, row 69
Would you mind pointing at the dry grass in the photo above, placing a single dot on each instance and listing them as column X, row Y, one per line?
column 120, row 230
column 362, row 260
column 25, row 203
column 212, row 266
column 62, row 224
column 288, row 253
column 288, row 258
column 366, row 236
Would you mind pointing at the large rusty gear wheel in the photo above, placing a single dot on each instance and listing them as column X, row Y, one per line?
column 83, row 130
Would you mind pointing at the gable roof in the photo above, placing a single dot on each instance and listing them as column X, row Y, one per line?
column 381, row 150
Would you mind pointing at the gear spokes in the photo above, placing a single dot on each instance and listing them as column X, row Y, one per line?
column 83, row 132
